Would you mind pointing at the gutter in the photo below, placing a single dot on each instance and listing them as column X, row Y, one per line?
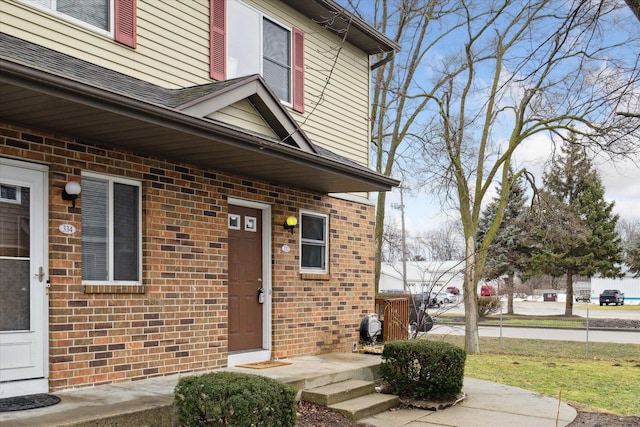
column 82, row 93
column 384, row 60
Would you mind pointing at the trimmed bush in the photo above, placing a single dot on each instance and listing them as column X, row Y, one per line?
column 234, row 399
column 423, row 368
column 488, row 305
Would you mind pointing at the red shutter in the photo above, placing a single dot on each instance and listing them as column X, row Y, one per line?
column 217, row 42
column 298, row 70
column 125, row 22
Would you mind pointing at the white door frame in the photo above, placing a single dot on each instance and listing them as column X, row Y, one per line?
column 265, row 354
column 33, row 376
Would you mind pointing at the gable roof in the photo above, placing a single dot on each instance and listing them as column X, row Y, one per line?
column 45, row 89
column 256, row 91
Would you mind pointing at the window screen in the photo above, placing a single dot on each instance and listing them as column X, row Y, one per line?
column 110, row 230
column 93, row 12
column 314, row 242
column 277, row 59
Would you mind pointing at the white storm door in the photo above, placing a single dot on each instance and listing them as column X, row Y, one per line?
column 23, row 278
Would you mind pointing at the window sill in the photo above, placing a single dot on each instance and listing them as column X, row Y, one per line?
column 315, row 276
column 113, row 289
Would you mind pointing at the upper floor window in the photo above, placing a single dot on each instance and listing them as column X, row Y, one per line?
column 111, row 243
column 314, row 242
column 96, row 13
column 113, row 17
column 244, row 41
column 258, row 45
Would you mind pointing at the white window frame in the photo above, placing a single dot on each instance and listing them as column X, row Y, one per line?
column 305, row 269
column 18, row 198
column 262, row 17
column 110, row 234
column 51, row 10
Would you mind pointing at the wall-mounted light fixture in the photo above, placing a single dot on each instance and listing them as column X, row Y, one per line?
column 71, row 192
column 290, row 223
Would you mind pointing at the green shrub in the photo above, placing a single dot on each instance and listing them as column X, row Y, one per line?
column 423, row 369
column 488, row 305
column 234, row 399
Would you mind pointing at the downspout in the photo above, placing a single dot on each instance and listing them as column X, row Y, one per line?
column 384, row 60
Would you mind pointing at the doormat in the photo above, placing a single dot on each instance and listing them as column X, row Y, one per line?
column 32, row 401
column 264, row 365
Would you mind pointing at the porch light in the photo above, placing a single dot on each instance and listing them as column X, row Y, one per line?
column 290, row 223
column 71, row 192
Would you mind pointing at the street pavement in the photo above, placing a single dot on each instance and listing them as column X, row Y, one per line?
column 551, row 308
column 623, row 337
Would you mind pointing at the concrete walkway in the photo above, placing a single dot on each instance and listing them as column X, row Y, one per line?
column 148, row 402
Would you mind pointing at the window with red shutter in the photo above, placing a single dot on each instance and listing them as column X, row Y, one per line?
column 257, row 44
column 298, row 70
column 125, row 22
column 95, row 15
column 217, row 42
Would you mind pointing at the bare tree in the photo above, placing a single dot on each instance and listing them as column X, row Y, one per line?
column 443, row 244
column 397, row 99
column 391, row 241
column 629, row 232
column 476, row 79
column 519, row 69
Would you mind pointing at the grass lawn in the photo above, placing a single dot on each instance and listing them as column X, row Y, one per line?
column 626, row 307
column 608, row 380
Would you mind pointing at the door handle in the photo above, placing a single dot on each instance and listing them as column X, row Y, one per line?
column 40, row 274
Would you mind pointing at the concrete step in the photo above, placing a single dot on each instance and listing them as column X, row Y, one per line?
column 338, row 392
column 366, row 406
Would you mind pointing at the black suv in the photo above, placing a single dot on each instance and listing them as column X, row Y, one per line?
column 612, row 296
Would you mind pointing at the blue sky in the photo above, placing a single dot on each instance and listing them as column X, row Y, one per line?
column 424, row 212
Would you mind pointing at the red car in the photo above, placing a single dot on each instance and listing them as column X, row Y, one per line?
column 453, row 290
column 487, row 291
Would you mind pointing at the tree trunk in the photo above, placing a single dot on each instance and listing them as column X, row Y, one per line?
column 510, row 293
column 568, row 308
column 382, row 197
column 471, row 336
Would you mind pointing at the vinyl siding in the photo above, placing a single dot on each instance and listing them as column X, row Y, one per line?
column 243, row 114
column 341, row 121
column 172, row 37
column 172, row 51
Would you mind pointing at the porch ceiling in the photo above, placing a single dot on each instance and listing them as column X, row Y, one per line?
column 41, row 100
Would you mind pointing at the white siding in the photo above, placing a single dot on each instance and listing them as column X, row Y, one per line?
column 630, row 286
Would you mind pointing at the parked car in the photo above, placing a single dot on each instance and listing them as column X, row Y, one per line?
column 584, row 296
column 611, row 296
column 453, row 290
column 450, row 298
column 430, row 299
column 487, row 291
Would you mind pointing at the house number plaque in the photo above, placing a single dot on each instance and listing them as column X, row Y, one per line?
column 67, row 229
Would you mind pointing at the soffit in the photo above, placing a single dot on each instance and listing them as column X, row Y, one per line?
column 126, row 113
column 339, row 20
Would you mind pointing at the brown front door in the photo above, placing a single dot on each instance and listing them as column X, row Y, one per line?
column 245, row 278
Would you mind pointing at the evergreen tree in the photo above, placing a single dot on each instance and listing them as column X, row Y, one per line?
column 576, row 226
column 509, row 251
column 633, row 259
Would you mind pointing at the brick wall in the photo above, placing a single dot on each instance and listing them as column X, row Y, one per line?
column 177, row 321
